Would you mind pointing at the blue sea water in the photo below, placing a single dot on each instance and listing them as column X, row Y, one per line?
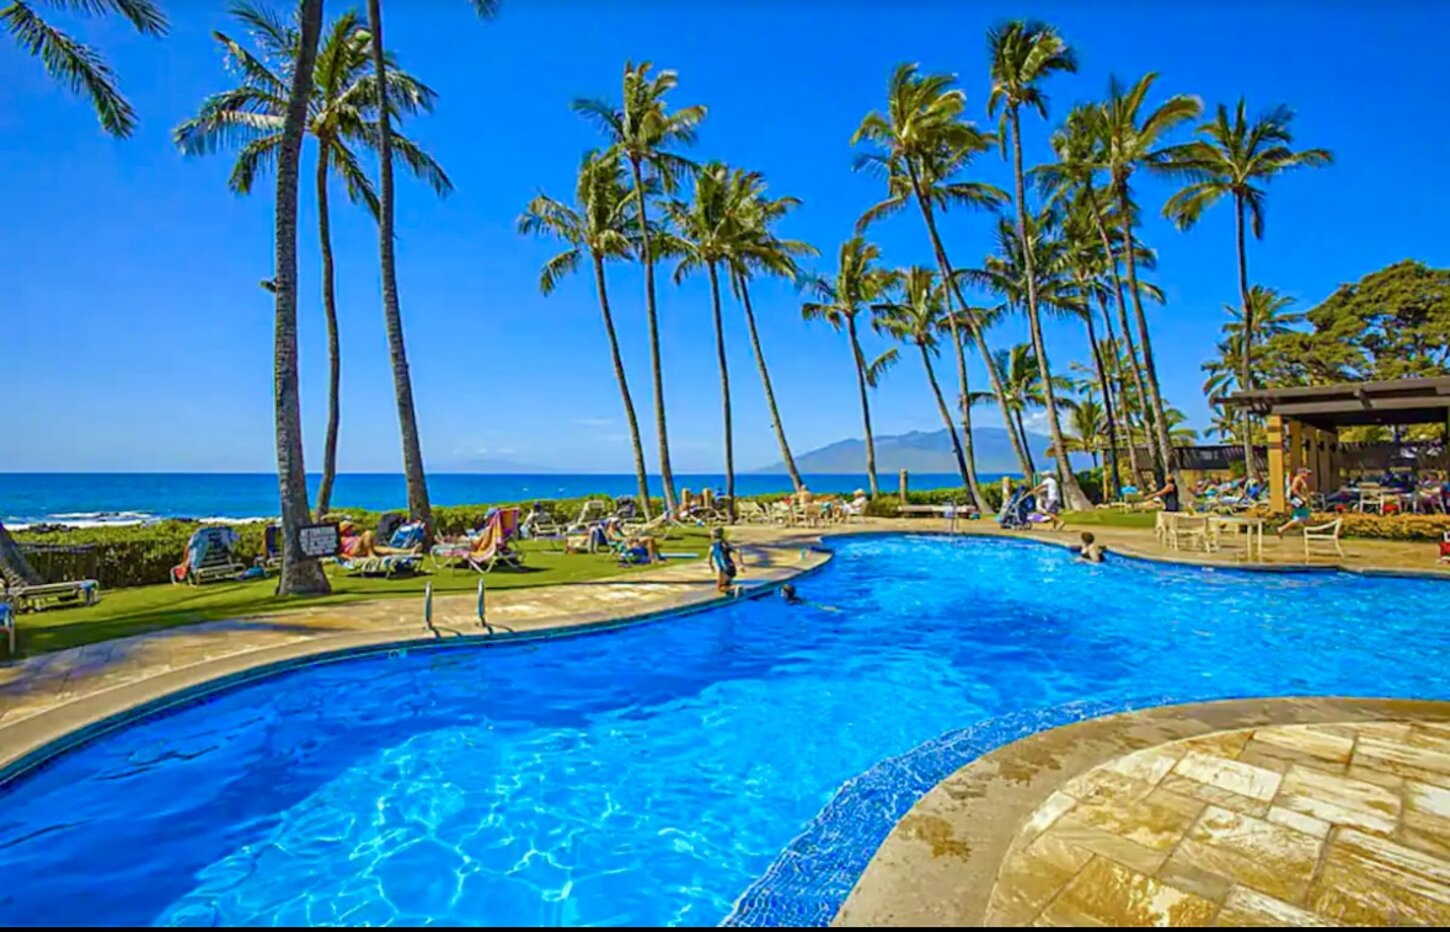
column 649, row 775
column 82, row 498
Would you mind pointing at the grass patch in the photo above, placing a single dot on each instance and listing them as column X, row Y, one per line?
column 1104, row 517
column 140, row 609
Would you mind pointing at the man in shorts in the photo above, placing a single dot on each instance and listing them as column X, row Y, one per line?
column 1049, row 501
column 1298, row 502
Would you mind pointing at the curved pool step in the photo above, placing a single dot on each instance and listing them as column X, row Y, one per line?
column 813, row 875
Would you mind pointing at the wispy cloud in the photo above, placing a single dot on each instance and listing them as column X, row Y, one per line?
column 594, row 422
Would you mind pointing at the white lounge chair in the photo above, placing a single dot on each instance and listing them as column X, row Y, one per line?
column 1324, row 533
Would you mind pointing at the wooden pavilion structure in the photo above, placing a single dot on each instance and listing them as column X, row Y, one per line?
column 1304, row 423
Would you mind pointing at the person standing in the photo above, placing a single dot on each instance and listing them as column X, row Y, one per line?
column 1298, row 501
column 723, row 559
column 1049, row 497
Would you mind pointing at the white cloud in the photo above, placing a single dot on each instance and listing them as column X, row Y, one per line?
column 594, row 422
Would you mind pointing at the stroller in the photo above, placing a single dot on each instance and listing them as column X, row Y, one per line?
column 1013, row 516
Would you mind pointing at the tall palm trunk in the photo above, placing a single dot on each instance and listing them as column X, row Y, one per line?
column 639, row 471
column 1110, row 487
column 14, row 568
column 1150, row 372
column 860, row 359
column 775, row 423
column 1026, row 444
column 724, row 388
column 1072, row 493
column 299, row 576
column 1128, row 341
column 1123, row 411
column 334, row 352
column 949, row 276
column 418, row 506
column 974, row 486
column 1246, row 373
column 646, row 255
column 946, row 414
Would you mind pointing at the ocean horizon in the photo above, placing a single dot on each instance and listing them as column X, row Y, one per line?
column 94, row 499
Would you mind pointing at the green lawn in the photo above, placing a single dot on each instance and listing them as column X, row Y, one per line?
column 137, row 610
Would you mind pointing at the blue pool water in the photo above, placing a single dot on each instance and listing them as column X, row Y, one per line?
column 649, row 775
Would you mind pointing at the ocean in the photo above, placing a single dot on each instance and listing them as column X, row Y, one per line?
column 90, row 499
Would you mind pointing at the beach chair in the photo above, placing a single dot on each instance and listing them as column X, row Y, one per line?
column 34, row 598
column 407, row 536
column 271, row 557
column 1325, row 534
column 211, row 554
column 593, row 510
column 752, row 512
column 494, row 546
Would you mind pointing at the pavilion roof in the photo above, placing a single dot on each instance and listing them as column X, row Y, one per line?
column 1349, row 404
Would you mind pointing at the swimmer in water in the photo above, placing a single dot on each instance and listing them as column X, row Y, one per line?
column 788, row 593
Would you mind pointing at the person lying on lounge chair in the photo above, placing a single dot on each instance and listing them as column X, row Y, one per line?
column 358, row 543
column 639, row 548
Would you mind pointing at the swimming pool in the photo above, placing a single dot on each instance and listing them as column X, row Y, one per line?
column 649, row 775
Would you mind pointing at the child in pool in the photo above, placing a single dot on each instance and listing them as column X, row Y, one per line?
column 1090, row 551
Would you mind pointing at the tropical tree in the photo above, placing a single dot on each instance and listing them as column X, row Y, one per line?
column 859, row 283
column 299, row 575
column 641, row 132
column 341, row 116
column 601, row 225
column 1238, row 158
column 705, row 233
column 1131, row 140
column 1087, row 421
column 80, row 67
column 756, row 249
column 1224, row 374
column 418, row 505
column 1024, row 55
column 923, row 142
column 1018, row 370
column 916, row 317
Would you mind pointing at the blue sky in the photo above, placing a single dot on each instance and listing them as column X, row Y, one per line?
column 135, row 333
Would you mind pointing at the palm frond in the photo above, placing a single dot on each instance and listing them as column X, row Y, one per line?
column 79, row 67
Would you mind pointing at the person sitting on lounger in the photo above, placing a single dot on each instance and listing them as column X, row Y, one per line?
column 358, row 543
column 1167, row 493
column 639, row 548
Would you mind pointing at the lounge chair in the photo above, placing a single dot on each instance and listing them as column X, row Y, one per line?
column 492, row 548
column 211, row 554
column 1324, row 533
column 593, row 510
column 408, row 536
column 32, row 598
column 271, row 557
column 752, row 512
column 7, row 624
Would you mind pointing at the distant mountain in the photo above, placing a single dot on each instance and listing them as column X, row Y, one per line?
column 923, row 452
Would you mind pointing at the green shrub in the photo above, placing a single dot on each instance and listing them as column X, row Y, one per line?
column 1390, row 527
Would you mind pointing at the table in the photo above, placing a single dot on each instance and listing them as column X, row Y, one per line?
column 1252, row 526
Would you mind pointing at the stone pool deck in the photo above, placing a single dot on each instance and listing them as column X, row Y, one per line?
column 1247, row 813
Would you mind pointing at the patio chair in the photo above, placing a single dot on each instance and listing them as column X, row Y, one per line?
column 33, row 598
column 1371, row 497
column 271, row 557
column 408, row 536
column 1324, row 533
column 593, row 510
column 211, row 554
column 752, row 512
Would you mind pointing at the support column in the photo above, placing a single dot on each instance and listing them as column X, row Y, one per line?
column 1277, row 504
column 1296, row 446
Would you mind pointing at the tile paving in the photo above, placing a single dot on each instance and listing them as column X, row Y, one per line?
column 1326, row 824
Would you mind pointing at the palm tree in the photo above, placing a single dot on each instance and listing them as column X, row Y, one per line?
column 418, row 505
column 79, row 67
column 1131, row 140
column 923, row 141
column 1024, row 55
column 641, row 132
column 858, row 284
column 706, row 230
column 602, row 225
column 758, row 249
column 1017, row 368
column 1238, row 158
column 1087, row 420
column 917, row 318
column 299, row 575
column 341, row 116
column 1269, row 312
